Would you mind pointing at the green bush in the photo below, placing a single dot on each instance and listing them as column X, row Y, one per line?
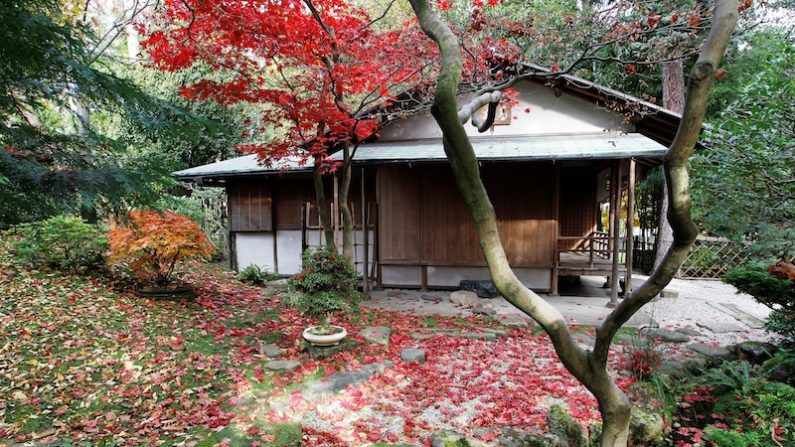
column 779, row 294
column 63, row 243
column 255, row 276
column 325, row 285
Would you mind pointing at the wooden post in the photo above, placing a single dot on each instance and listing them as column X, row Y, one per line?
column 304, row 224
column 366, row 238
column 335, row 210
column 553, row 286
column 615, row 212
column 630, row 225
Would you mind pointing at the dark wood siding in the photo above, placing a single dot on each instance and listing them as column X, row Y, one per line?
column 424, row 219
column 399, row 220
column 577, row 204
column 250, row 206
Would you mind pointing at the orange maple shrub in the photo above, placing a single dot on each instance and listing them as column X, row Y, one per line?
column 153, row 244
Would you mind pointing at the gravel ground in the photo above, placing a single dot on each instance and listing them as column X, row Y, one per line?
column 705, row 301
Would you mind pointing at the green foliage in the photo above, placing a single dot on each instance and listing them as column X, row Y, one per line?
column 779, row 294
column 254, row 275
column 325, row 285
column 743, row 183
column 62, row 243
column 766, row 411
column 83, row 133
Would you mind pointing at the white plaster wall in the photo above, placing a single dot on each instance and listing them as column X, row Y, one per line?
column 549, row 115
column 538, row 279
column 288, row 249
column 401, row 275
column 255, row 248
column 450, row 277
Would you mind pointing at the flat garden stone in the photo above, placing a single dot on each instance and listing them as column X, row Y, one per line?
column 376, row 334
column 271, row 350
column 487, row 336
column 324, row 352
column 420, row 336
column 278, row 283
column 666, row 335
column 343, row 379
column 464, row 298
column 667, row 293
column 281, row 365
column 711, row 352
column 412, row 355
column 720, row 327
column 449, row 438
column 488, row 311
column 689, row 332
column 431, row 298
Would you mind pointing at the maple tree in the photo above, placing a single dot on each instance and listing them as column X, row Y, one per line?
column 321, row 68
column 152, row 244
column 588, row 365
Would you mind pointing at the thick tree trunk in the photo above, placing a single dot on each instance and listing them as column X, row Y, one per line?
column 348, row 234
column 674, row 100
column 590, row 367
column 322, row 206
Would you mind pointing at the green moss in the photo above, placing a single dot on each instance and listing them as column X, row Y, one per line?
column 646, row 428
column 561, row 424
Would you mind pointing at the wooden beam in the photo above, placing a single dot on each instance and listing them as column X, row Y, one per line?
column 366, row 238
column 630, row 225
column 553, row 286
column 615, row 211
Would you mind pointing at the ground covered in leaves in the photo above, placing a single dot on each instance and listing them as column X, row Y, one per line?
column 84, row 364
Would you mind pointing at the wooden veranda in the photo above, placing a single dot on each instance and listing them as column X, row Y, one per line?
column 602, row 253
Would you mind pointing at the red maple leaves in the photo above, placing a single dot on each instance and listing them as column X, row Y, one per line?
column 316, row 66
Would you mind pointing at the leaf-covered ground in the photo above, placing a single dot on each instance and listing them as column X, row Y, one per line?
column 81, row 364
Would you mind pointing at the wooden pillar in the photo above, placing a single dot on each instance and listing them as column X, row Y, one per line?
column 630, row 225
column 553, row 285
column 366, row 239
column 335, row 212
column 615, row 213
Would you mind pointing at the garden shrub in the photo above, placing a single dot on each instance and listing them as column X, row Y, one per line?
column 152, row 245
column 255, row 276
column 759, row 281
column 325, row 285
column 63, row 243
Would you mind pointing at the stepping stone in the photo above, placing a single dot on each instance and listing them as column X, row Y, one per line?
column 395, row 294
column 271, row 350
column 464, row 298
column 278, row 283
column 744, row 317
column 720, row 327
column 420, row 336
column 412, row 355
column 431, row 298
column 497, row 332
column 324, row 352
column 281, row 365
column 689, row 332
column 484, row 311
column 343, row 379
column 513, row 320
column 376, row 334
column 666, row 335
column 669, row 294
column 713, row 353
column 487, row 336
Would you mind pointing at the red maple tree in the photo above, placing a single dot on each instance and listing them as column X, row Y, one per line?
column 320, row 68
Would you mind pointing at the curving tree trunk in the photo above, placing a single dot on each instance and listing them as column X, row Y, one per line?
column 322, row 205
column 590, row 367
column 348, row 233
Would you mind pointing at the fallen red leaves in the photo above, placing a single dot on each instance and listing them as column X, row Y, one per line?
column 105, row 365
